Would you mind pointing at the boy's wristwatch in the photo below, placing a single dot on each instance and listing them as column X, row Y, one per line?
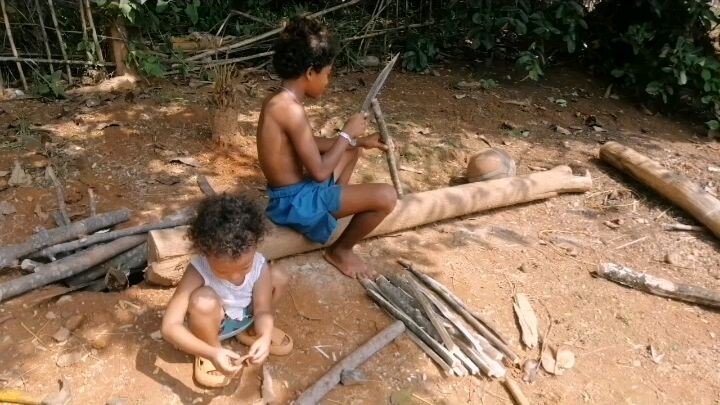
column 352, row 141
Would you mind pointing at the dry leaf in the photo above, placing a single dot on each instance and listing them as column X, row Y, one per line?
column 527, row 320
column 548, row 360
column 562, row 130
column 40, row 213
column 19, row 177
column 4, row 173
column 656, row 357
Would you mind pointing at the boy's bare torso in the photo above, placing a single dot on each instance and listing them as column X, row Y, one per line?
column 278, row 159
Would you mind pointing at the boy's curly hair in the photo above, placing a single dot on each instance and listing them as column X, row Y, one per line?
column 227, row 226
column 304, row 43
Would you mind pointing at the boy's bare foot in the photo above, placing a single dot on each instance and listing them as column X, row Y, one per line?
column 348, row 263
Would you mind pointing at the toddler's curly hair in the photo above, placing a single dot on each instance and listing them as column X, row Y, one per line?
column 227, row 226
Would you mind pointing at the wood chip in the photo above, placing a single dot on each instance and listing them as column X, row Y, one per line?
column 190, row 161
column 527, row 320
column 61, row 335
column 268, row 392
column 6, row 208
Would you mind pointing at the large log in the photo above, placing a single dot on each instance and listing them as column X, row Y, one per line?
column 659, row 286
column 9, row 254
column 317, row 391
column 676, row 188
column 68, row 266
column 412, row 211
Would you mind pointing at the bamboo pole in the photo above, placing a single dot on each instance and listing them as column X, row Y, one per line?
column 60, row 40
column 46, row 42
column 98, row 48
column 12, row 43
column 84, row 30
column 51, row 61
column 268, row 34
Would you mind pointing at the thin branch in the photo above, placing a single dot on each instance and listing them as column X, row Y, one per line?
column 46, row 42
column 60, row 40
column 42, row 60
column 12, row 43
column 88, row 12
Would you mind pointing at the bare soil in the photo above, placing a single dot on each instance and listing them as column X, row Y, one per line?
column 121, row 145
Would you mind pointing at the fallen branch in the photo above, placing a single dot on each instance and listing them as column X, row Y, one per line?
column 683, row 227
column 93, row 202
column 9, row 254
column 133, row 258
column 181, row 218
column 658, row 286
column 385, row 31
column 317, row 391
column 60, row 193
column 515, row 392
column 68, row 266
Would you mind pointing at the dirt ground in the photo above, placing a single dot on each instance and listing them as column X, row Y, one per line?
column 121, row 146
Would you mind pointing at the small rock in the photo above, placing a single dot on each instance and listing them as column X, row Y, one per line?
column 74, row 321
column 435, row 73
column 61, row 335
column 92, row 102
column 98, row 336
column 3, row 184
column 157, row 335
column 509, row 125
column 117, row 401
column 673, row 258
column 713, row 169
column 6, row 208
column 197, row 400
column 566, row 144
column 68, row 359
column 463, row 85
column 562, row 130
column 525, row 268
column 124, row 316
column 530, row 371
column 50, row 315
column 64, row 299
column 369, row 61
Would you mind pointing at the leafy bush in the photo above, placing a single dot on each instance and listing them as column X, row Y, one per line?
column 660, row 49
column 50, row 85
column 419, row 54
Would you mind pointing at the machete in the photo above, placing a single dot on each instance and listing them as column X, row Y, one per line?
column 379, row 82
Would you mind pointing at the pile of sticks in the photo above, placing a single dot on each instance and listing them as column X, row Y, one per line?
column 460, row 341
column 84, row 254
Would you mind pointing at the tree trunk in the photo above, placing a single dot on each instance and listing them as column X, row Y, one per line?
column 119, row 47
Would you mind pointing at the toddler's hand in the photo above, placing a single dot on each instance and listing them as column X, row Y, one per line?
column 260, row 350
column 226, row 360
column 356, row 125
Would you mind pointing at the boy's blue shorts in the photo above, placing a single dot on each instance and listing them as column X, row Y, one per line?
column 306, row 207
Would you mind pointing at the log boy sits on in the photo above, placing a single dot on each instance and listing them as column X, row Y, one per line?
column 225, row 289
column 308, row 177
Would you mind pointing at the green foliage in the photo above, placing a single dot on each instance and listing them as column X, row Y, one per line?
column 660, row 49
column 419, row 54
column 146, row 62
column 50, row 85
column 526, row 30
